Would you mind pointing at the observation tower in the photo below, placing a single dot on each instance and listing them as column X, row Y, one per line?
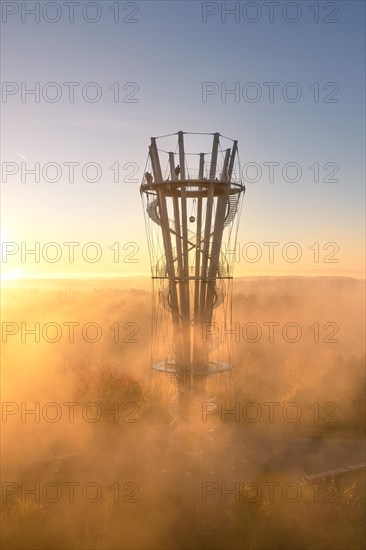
column 192, row 195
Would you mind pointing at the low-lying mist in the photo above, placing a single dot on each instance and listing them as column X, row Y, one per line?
column 95, row 457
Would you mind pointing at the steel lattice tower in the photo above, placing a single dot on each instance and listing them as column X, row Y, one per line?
column 192, row 212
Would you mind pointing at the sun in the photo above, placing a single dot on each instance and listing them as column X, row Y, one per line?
column 11, row 275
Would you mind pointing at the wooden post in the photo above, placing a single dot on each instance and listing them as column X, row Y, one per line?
column 215, row 254
column 198, row 258
column 185, row 308
column 197, row 351
column 165, row 228
column 232, row 160
column 224, row 175
column 202, row 166
column 215, row 148
column 206, row 245
column 173, row 176
column 178, row 240
column 203, row 363
column 181, row 156
column 155, row 162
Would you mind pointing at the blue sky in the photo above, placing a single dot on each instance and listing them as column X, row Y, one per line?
column 169, row 53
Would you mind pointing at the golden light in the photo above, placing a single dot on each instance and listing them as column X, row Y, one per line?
column 11, row 275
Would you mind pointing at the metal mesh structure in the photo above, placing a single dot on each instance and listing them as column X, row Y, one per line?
column 192, row 202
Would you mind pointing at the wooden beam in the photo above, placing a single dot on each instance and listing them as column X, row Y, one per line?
column 178, row 240
column 198, row 257
column 201, row 172
column 232, row 161
column 155, row 162
column 224, row 175
column 197, row 321
column 182, row 164
column 185, row 307
column 202, row 362
column 184, row 231
column 173, row 176
column 206, row 245
column 215, row 148
column 171, row 273
column 215, row 255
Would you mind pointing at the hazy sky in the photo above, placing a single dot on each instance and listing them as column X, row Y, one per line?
column 163, row 53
